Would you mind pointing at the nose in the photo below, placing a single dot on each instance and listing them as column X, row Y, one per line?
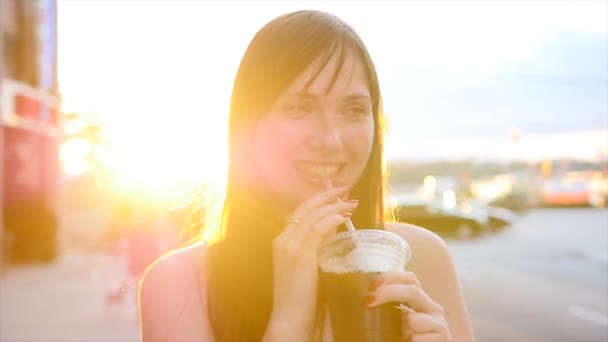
column 327, row 136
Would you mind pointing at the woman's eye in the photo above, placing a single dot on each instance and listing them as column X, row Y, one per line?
column 355, row 112
column 297, row 109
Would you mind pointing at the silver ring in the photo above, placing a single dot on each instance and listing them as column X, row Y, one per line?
column 293, row 221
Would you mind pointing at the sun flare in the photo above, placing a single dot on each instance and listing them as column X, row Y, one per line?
column 163, row 90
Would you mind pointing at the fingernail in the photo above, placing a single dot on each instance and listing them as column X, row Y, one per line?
column 353, row 201
column 379, row 280
column 347, row 214
column 367, row 300
column 340, row 185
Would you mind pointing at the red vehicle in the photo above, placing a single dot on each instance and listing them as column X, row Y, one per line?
column 571, row 190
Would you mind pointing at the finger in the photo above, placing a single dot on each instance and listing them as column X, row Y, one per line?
column 318, row 231
column 395, row 277
column 413, row 295
column 321, row 199
column 329, row 209
column 429, row 337
column 303, row 227
column 303, row 242
column 416, row 323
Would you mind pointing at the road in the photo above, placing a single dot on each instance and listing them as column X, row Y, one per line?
column 543, row 279
column 65, row 302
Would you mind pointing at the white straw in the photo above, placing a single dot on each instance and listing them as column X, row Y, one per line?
column 349, row 223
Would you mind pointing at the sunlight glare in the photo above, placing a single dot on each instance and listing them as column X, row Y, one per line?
column 73, row 156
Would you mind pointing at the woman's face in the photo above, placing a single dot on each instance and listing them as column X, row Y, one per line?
column 325, row 131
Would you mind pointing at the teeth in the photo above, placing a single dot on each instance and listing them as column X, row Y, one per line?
column 320, row 170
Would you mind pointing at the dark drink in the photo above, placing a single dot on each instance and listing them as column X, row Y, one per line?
column 350, row 320
column 349, row 262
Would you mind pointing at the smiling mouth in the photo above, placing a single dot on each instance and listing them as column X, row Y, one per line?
column 318, row 172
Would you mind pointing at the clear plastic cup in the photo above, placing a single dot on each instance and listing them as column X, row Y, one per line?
column 349, row 262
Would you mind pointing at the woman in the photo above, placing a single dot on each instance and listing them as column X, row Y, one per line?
column 305, row 106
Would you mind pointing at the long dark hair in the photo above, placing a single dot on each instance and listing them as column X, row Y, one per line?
column 240, row 290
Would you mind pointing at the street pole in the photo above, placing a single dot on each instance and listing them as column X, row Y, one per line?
column 515, row 136
column 2, row 73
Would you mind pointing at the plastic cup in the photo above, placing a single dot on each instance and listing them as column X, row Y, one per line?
column 349, row 263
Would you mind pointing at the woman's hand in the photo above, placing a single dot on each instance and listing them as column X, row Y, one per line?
column 424, row 320
column 296, row 264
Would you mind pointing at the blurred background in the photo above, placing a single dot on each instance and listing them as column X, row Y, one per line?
column 113, row 121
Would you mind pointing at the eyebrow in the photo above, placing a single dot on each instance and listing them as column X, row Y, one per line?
column 310, row 96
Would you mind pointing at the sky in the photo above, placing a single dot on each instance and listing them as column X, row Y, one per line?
column 456, row 76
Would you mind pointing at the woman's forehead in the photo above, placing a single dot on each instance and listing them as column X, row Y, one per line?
column 336, row 75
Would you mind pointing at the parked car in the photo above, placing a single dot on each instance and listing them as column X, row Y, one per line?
column 518, row 201
column 435, row 216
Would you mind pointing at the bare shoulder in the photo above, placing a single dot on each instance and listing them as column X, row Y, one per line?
column 430, row 253
column 179, row 265
column 424, row 243
column 434, row 267
column 172, row 297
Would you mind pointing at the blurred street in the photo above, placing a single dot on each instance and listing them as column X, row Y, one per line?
column 544, row 279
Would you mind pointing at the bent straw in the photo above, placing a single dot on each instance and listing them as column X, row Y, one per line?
column 349, row 223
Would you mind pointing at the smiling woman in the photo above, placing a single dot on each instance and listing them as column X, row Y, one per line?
column 305, row 106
